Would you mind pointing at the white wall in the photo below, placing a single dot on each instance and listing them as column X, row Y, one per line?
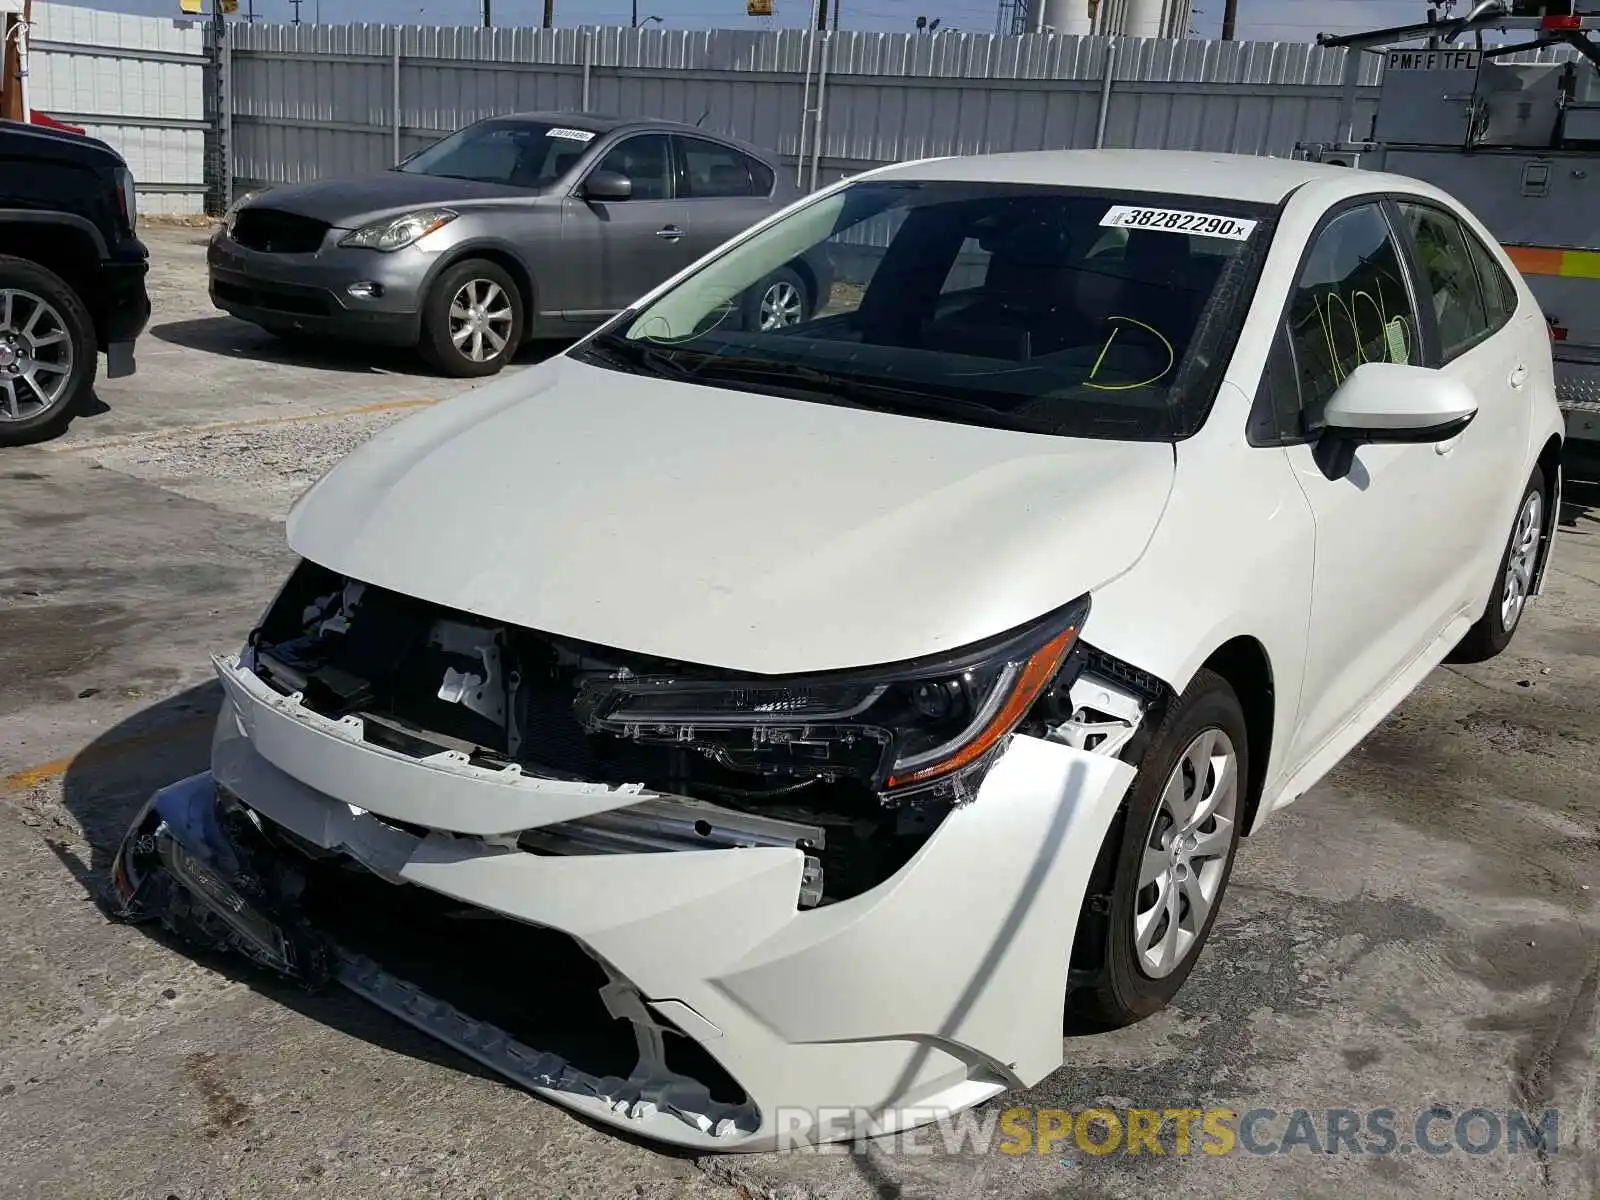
column 133, row 82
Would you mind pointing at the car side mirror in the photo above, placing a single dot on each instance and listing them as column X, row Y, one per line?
column 607, row 185
column 1394, row 402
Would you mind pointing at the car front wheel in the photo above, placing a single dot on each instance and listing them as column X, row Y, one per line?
column 472, row 321
column 47, row 352
column 1168, row 859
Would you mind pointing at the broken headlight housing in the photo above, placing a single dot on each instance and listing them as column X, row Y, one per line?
column 930, row 724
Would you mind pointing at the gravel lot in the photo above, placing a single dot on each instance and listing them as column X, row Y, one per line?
column 1422, row 929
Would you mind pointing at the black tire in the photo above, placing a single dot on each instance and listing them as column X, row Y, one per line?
column 29, row 283
column 784, row 282
column 437, row 344
column 1491, row 634
column 1110, row 987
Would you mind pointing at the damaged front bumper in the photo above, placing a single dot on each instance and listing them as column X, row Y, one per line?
column 752, row 1020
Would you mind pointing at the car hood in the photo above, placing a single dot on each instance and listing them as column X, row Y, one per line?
column 728, row 528
column 351, row 203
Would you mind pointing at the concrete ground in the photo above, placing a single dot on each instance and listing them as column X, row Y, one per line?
column 1422, row 929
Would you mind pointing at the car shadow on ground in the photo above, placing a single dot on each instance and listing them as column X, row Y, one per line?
column 233, row 338
column 104, row 788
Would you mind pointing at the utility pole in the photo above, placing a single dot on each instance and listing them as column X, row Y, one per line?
column 1230, row 19
column 822, row 15
column 549, row 13
column 488, row 13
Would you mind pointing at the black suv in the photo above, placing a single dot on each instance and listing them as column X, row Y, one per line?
column 72, row 275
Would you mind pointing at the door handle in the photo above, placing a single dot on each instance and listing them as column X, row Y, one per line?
column 1519, row 376
column 671, row 232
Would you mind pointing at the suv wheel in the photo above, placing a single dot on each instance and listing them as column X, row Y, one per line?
column 778, row 301
column 1168, row 857
column 472, row 321
column 47, row 352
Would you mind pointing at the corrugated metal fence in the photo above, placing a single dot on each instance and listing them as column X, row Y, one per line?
column 312, row 101
column 135, row 82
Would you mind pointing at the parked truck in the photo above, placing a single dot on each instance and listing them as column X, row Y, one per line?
column 1517, row 141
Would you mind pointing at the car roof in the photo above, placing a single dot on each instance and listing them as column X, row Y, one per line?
column 602, row 123
column 1245, row 177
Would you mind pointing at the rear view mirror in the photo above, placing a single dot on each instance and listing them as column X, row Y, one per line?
column 607, row 185
column 1393, row 402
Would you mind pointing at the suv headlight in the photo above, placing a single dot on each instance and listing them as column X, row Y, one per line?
column 397, row 233
column 930, row 723
column 232, row 214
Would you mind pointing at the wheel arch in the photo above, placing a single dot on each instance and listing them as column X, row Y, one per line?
column 1549, row 462
column 501, row 256
column 1243, row 661
column 808, row 278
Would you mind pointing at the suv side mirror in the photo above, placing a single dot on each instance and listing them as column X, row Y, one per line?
column 1393, row 402
column 607, row 185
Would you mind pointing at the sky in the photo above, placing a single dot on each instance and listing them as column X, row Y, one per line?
column 1271, row 20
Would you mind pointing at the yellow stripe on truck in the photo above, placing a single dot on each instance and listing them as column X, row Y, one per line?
column 1569, row 264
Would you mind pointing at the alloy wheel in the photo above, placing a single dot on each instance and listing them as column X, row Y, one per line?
column 1186, row 850
column 1520, row 561
column 480, row 320
column 782, row 305
column 36, row 355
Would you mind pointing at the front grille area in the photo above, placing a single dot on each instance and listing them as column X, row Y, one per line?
column 277, row 232
column 276, row 297
column 534, row 983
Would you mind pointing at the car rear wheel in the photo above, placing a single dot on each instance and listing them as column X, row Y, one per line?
column 778, row 301
column 472, row 320
column 1513, row 581
column 1167, row 862
column 47, row 352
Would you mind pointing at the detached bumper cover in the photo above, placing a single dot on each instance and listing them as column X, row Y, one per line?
column 932, row 992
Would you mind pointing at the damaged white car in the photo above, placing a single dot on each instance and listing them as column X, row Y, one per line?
column 722, row 724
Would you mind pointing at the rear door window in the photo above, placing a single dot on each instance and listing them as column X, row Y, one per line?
column 1448, row 280
column 711, row 170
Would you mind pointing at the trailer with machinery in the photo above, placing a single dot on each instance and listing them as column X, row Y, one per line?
column 1518, row 142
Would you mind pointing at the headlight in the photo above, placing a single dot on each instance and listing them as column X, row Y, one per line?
column 128, row 198
column 398, row 232
column 930, row 723
column 232, row 214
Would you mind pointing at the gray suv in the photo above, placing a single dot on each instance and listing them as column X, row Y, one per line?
column 531, row 225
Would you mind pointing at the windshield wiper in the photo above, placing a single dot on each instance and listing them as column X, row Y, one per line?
column 630, row 355
column 872, row 394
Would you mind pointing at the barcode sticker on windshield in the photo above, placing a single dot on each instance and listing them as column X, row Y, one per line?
column 573, row 135
column 1172, row 220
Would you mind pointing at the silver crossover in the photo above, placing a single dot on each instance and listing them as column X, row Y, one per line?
column 531, row 225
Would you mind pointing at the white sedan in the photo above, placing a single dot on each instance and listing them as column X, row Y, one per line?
column 810, row 719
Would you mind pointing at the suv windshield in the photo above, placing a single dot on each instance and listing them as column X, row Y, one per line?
column 519, row 153
column 1060, row 310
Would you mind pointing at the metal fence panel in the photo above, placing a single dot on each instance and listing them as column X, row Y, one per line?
column 133, row 82
column 316, row 101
